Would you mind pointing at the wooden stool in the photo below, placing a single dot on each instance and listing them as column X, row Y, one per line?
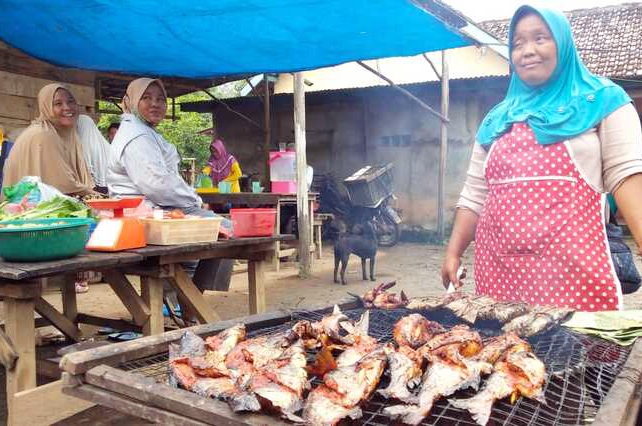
column 319, row 218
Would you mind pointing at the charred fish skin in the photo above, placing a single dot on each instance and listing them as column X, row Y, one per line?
column 440, row 380
column 405, row 373
column 415, row 330
column 323, row 408
column 521, row 373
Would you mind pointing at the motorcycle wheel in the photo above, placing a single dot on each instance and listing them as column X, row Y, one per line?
column 389, row 231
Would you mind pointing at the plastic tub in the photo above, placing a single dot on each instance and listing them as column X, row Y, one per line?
column 282, row 166
column 284, row 187
column 253, row 222
column 164, row 232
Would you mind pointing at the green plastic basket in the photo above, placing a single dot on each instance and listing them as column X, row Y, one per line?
column 51, row 242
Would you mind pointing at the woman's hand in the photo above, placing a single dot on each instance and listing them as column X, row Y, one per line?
column 449, row 271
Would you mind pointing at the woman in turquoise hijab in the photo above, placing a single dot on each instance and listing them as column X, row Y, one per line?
column 545, row 157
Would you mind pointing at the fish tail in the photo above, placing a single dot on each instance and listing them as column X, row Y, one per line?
column 244, row 401
column 479, row 406
column 408, row 414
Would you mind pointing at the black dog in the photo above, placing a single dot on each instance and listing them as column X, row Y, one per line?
column 363, row 245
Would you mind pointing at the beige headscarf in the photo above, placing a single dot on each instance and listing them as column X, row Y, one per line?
column 135, row 91
column 54, row 155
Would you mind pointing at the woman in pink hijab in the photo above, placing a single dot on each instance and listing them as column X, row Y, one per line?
column 223, row 166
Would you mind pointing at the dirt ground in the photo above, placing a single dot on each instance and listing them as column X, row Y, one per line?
column 414, row 266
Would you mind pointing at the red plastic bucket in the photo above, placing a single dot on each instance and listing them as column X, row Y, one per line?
column 253, row 222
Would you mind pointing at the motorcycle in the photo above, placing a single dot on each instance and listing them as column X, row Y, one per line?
column 355, row 209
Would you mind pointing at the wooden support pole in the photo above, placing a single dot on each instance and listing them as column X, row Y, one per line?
column 267, row 126
column 405, row 92
column 20, row 328
column 303, row 218
column 443, row 149
column 256, row 282
column 151, row 290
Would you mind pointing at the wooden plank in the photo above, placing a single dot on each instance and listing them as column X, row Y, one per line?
column 157, row 271
column 28, row 87
column 617, row 406
column 117, row 324
column 153, row 251
column 127, row 294
column 303, row 213
column 194, row 298
column 251, row 198
column 20, row 328
column 46, row 404
column 57, row 319
column 22, row 290
column 256, row 281
column 15, row 61
column 8, row 352
column 18, row 107
column 84, row 261
column 80, row 362
column 146, row 390
column 255, row 252
column 152, row 293
column 129, row 406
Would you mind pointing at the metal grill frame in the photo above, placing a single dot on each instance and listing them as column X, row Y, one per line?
column 604, row 402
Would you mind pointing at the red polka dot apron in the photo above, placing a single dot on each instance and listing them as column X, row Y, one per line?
column 541, row 237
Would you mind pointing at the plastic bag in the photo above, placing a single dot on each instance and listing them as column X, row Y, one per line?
column 33, row 189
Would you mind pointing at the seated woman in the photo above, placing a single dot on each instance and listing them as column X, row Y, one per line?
column 95, row 149
column 223, row 167
column 142, row 162
column 50, row 147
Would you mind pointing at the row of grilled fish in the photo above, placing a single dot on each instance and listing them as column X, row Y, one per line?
column 517, row 317
column 457, row 360
column 269, row 373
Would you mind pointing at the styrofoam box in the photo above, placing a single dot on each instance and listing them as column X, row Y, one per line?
column 164, row 232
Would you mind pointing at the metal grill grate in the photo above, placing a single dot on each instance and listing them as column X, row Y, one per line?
column 581, row 371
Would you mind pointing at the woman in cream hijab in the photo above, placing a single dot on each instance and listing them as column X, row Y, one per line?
column 50, row 147
column 142, row 162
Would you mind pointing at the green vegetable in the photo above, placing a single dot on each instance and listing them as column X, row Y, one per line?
column 57, row 207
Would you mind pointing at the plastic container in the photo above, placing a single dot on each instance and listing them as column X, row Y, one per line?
column 165, row 232
column 284, row 187
column 370, row 185
column 253, row 222
column 282, row 166
column 59, row 239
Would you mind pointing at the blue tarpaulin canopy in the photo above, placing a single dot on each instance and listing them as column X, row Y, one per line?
column 207, row 38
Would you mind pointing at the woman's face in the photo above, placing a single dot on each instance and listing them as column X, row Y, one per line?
column 214, row 152
column 64, row 108
column 533, row 53
column 153, row 104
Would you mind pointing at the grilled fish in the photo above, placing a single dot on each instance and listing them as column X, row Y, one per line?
column 414, row 330
column 324, row 407
column 379, row 298
column 536, row 321
column 222, row 387
column 442, row 378
column 356, row 382
column 180, row 372
column 520, row 373
column 495, row 347
column 461, row 334
column 212, row 363
column 506, row 311
column 405, row 372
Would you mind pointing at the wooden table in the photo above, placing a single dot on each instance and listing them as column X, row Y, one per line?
column 254, row 199
column 21, row 289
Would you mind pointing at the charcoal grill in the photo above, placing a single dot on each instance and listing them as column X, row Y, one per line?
column 590, row 381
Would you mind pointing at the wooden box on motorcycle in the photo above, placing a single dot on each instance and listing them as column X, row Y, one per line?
column 370, row 185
